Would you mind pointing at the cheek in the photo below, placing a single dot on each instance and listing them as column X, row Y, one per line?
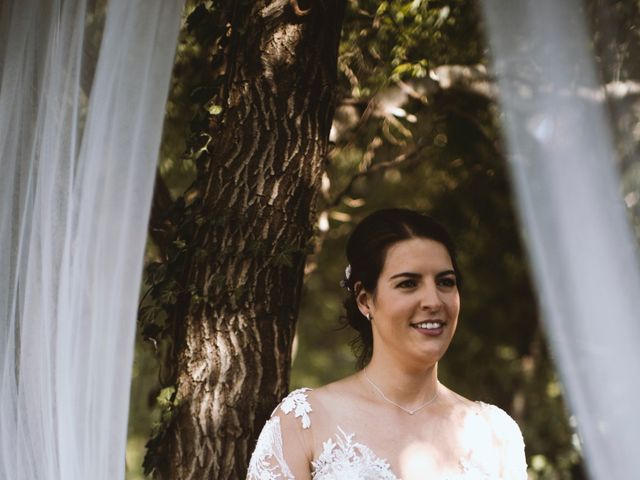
column 405, row 303
column 454, row 304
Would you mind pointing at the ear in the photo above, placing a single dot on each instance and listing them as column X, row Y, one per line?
column 363, row 298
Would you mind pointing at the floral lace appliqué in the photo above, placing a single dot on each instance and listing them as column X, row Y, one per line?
column 344, row 458
column 267, row 461
column 297, row 402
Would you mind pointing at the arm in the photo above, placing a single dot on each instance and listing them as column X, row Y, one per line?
column 281, row 451
column 514, row 462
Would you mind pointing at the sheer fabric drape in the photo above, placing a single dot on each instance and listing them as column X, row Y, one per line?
column 82, row 92
column 581, row 245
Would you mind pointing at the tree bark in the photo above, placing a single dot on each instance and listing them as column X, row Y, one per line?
column 244, row 230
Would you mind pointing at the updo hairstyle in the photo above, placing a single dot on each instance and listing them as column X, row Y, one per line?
column 366, row 252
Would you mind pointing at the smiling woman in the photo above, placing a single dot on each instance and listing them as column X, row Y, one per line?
column 414, row 308
column 393, row 418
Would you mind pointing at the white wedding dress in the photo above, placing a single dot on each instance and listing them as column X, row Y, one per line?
column 343, row 458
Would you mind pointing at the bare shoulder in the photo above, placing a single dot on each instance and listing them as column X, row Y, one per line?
column 338, row 393
column 340, row 400
column 456, row 404
column 503, row 427
column 304, row 405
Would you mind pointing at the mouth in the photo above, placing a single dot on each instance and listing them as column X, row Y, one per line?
column 430, row 327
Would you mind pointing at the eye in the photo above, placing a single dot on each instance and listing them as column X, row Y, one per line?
column 408, row 283
column 446, row 282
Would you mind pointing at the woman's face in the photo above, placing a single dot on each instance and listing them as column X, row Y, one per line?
column 416, row 303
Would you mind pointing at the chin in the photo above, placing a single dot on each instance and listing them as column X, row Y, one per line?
column 434, row 354
column 430, row 357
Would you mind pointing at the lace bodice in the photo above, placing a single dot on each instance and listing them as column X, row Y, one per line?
column 345, row 458
column 342, row 457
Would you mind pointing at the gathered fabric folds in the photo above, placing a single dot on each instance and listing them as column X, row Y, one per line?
column 83, row 87
column 567, row 180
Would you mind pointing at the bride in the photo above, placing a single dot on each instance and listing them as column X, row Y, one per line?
column 393, row 418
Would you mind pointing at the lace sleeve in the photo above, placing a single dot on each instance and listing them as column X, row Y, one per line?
column 514, row 462
column 279, row 450
column 267, row 461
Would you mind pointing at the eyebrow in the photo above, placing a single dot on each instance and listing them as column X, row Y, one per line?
column 417, row 275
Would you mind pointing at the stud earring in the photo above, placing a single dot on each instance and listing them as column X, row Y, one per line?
column 369, row 317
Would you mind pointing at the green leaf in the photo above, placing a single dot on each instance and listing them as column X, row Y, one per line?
column 213, row 108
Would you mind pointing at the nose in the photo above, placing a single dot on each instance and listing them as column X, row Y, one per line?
column 431, row 300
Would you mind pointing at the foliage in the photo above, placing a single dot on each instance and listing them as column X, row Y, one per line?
column 456, row 171
column 387, row 41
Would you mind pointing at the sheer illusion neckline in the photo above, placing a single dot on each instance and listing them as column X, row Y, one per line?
column 342, row 456
column 354, row 459
column 342, row 449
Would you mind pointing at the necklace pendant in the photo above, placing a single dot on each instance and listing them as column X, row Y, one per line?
column 406, row 410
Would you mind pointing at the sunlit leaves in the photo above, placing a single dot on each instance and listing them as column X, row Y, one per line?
column 394, row 40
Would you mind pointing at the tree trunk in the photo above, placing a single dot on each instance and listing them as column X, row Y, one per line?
column 246, row 226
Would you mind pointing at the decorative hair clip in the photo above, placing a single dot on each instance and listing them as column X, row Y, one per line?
column 345, row 282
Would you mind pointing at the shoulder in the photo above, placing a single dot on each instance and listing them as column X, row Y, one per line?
column 306, row 407
column 297, row 405
column 509, row 441
column 282, row 449
column 292, row 420
column 503, row 426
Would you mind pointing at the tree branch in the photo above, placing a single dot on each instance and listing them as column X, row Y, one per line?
column 299, row 11
column 401, row 160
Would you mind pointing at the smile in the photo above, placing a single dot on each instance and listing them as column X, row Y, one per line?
column 431, row 325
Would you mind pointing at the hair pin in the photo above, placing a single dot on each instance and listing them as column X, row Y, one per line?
column 344, row 283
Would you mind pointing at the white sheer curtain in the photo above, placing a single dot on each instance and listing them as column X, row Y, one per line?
column 82, row 92
column 580, row 241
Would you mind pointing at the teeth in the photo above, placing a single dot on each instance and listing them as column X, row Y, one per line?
column 429, row 325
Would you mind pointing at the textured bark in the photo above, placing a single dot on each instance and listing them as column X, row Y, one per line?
column 247, row 224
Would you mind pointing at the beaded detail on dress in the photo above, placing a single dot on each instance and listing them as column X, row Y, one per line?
column 342, row 458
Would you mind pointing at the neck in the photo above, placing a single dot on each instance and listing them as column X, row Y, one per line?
column 408, row 386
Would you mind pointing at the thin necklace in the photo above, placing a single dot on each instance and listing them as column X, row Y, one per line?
column 406, row 410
